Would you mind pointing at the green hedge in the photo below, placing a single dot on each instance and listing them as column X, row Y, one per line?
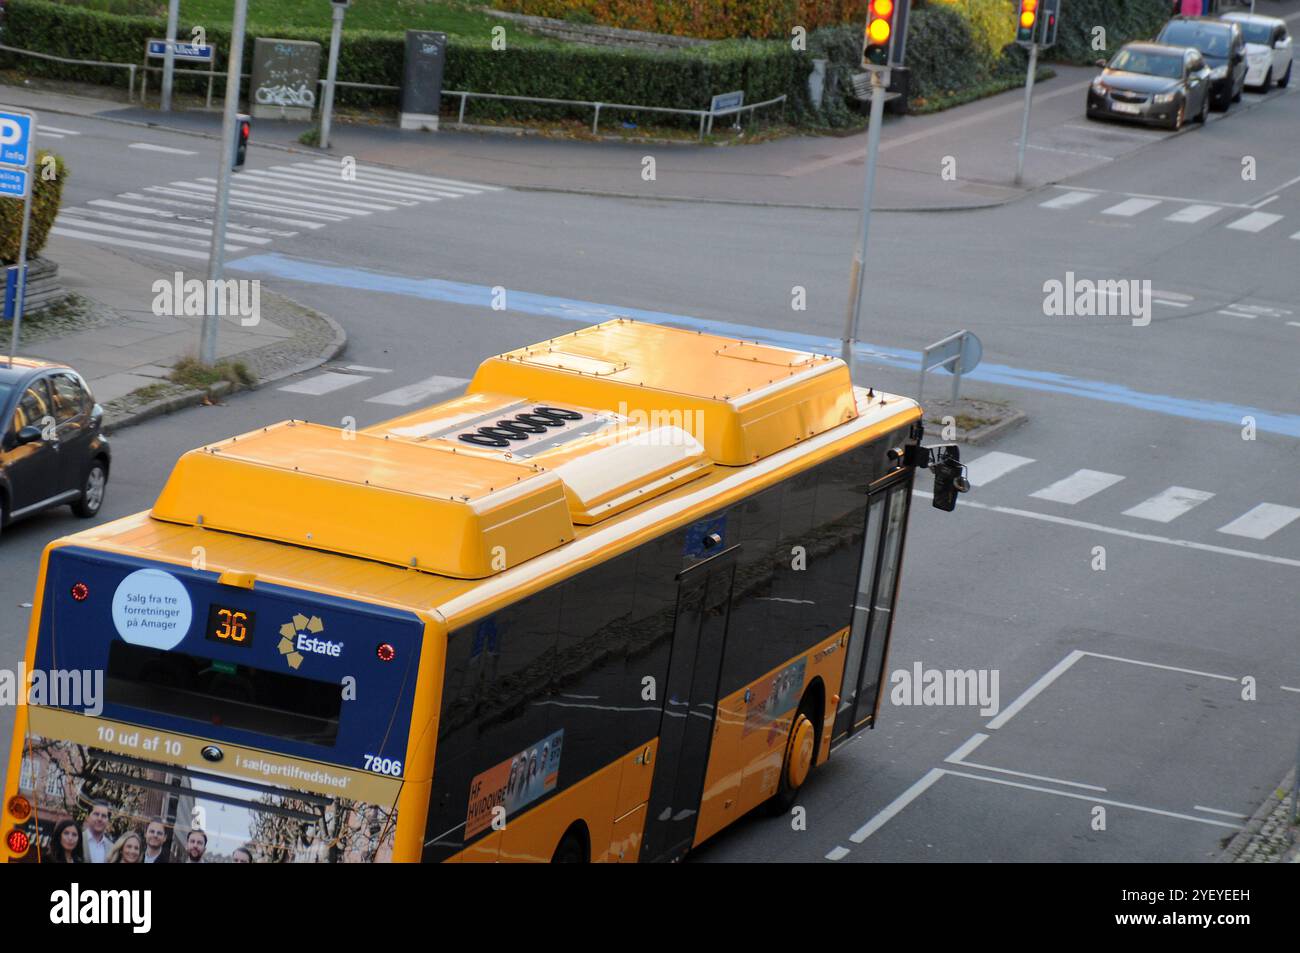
column 683, row 79
column 45, row 206
column 1124, row 20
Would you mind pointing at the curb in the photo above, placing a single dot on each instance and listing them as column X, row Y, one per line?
column 984, row 434
column 192, row 398
column 1241, row 840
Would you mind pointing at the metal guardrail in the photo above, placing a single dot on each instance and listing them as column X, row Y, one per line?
column 63, row 59
column 706, row 116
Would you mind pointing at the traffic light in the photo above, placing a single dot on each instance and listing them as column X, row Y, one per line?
column 1050, row 15
column 1028, row 20
column 879, row 38
column 243, row 127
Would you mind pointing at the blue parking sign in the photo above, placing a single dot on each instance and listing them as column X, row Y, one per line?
column 16, row 139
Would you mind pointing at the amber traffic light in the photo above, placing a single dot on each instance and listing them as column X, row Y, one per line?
column 880, row 32
column 1028, row 19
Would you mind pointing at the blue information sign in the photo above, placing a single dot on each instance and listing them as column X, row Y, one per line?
column 13, row 183
column 200, row 52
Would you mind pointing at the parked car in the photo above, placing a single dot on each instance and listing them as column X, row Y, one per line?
column 53, row 451
column 1268, row 49
column 1221, row 45
column 1152, row 83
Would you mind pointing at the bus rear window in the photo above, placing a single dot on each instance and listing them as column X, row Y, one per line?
column 222, row 693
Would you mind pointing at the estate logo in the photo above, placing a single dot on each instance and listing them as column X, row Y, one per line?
column 299, row 636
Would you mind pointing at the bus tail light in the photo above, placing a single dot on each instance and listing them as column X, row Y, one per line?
column 18, row 841
column 80, row 592
column 385, row 652
column 20, row 807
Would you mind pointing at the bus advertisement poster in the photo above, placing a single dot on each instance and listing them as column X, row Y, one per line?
column 514, row 783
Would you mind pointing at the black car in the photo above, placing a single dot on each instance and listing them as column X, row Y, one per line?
column 1222, row 45
column 1152, row 83
column 52, row 452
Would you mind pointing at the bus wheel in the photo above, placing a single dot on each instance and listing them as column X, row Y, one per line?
column 800, row 750
column 572, row 849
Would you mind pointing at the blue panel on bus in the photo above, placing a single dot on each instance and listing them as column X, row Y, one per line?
column 270, row 667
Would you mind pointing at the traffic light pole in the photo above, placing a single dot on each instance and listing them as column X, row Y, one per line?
column 221, row 207
column 879, row 80
column 327, row 109
column 1029, row 99
column 169, row 57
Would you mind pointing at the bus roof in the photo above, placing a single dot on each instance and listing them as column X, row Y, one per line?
column 550, row 445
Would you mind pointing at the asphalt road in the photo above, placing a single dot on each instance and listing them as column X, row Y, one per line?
column 1120, row 689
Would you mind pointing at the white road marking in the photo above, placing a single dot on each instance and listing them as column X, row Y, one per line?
column 1255, row 222
column 1288, row 688
column 52, row 135
column 128, row 243
column 204, row 205
column 1172, row 304
column 992, row 465
column 362, row 368
column 405, row 396
column 1168, row 668
column 1293, row 324
column 838, row 853
column 1032, row 777
column 1033, row 691
column 392, row 175
column 163, row 213
column 1262, row 522
column 1263, row 202
column 1077, row 487
column 1215, row 810
column 150, row 147
column 1128, row 534
column 1193, row 214
column 314, row 173
column 329, row 190
column 1097, row 800
column 1236, row 314
column 1068, row 200
column 1130, row 207
column 969, row 745
column 77, row 213
column 273, row 198
column 1169, row 504
column 1296, row 236
column 210, row 195
column 324, row 383
column 896, row 805
column 78, row 222
column 63, row 132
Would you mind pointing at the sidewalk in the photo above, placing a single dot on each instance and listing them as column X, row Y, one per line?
column 799, row 171
column 126, row 351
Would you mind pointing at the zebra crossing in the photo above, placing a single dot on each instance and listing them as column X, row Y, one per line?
column 425, row 391
column 1237, row 218
column 174, row 219
column 1262, row 521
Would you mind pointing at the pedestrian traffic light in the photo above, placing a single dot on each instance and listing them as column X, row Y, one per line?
column 1051, row 13
column 243, row 127
column 879, row 36
column 1028, row 20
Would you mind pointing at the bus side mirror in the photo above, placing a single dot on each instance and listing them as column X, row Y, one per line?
column 949, row 473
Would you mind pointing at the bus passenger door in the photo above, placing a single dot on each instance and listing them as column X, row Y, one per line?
column 873, row 609
column 690, row 702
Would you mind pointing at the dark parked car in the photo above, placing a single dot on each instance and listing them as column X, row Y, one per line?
column 52, row 452
column 1222, row 45
column 1148, row 82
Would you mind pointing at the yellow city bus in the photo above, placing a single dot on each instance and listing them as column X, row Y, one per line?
column 634, row 583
